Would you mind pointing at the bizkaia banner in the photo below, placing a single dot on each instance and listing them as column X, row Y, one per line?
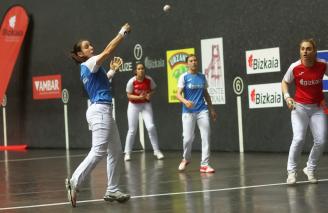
column 12, row 33
column 265, row 95
column 47, row 87
column 263, row 60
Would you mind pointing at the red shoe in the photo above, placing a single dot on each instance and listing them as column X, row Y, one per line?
column 183, row 165
column 206, row 169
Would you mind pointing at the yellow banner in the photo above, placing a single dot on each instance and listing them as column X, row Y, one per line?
column 176, row 66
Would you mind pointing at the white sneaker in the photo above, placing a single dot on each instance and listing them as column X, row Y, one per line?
column 71, row 192
column 159, row 155
column 291, row 179
column 127, row 157
column 310, row 175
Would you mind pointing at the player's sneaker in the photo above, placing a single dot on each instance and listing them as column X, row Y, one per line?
column 71, row 192
column 206, row 169
column 159, row 155
column 310, row 175
column 291, row 178
column 118, row 196
column 183, row 165
column 127, row 157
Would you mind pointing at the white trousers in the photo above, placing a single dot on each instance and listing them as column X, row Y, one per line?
column 133, row 120
column 105, row 142
column 303, row 116
column 189, row 121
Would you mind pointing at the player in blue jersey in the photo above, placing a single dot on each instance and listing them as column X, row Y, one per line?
column 105, row 136
column 192, row 93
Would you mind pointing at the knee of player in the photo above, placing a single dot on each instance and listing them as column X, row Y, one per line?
column 297, row 141
column 151, row 127
column 132, row 131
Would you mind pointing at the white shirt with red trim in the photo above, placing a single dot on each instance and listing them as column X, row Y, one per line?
column 136, row 87
column 308, row 81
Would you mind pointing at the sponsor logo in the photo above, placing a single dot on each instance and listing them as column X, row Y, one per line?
column 263, row 60
column 10, row 31
column 265, row 95
column 47, row 87
column 137, row 52
column 178, row 58
column 262, row 63
column 126, row 67
column 250, row 61
column 195, row 86
column 12, row 22
column 310, row 82
column 154, row 63
column 265, row 98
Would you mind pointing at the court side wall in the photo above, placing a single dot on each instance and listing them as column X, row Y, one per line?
column 243, row 25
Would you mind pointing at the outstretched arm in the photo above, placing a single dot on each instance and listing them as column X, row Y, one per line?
column 111, row 46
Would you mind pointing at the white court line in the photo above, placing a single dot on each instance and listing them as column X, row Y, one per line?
column 42, row 158
column 159, row 195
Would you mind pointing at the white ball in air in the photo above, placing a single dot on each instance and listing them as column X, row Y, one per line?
column 166, row 8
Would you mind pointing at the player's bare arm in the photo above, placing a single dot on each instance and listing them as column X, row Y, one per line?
column 188, row 104
column 209, row 104
column 289, row 100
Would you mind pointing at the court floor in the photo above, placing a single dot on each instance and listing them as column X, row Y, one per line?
column 33, row 181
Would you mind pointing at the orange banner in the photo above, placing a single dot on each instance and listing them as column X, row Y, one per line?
column 12, row 33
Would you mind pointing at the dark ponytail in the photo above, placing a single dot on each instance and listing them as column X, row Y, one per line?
column 77, row 48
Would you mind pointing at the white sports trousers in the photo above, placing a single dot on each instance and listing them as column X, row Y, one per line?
column 105, row 142
column 146, row 111
column 189, row 121
column 303, row 116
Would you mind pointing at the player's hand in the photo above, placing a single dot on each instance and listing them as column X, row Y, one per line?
column 148, row 96
column 214, row 115
column 290, row 103
column 116, row 63
column 189, row 104
column 142, row 96
column 125, row 29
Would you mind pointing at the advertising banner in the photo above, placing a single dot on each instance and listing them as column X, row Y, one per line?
column 213, row 68
column 12, row 33
column 263, row 61
column 47, row 87
column 176, row 66
column 265, row 95
column 323, row 54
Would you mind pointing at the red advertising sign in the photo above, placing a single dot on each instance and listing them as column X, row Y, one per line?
column 47, row 87
column 12, row 33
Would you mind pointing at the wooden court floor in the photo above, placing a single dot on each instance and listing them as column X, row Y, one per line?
column 33, row 181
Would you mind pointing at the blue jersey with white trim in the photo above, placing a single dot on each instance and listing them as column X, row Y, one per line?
column 193, row 89
column 96, row 84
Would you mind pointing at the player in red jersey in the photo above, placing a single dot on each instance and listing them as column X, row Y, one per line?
column 307, row 110
column 139, row 90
